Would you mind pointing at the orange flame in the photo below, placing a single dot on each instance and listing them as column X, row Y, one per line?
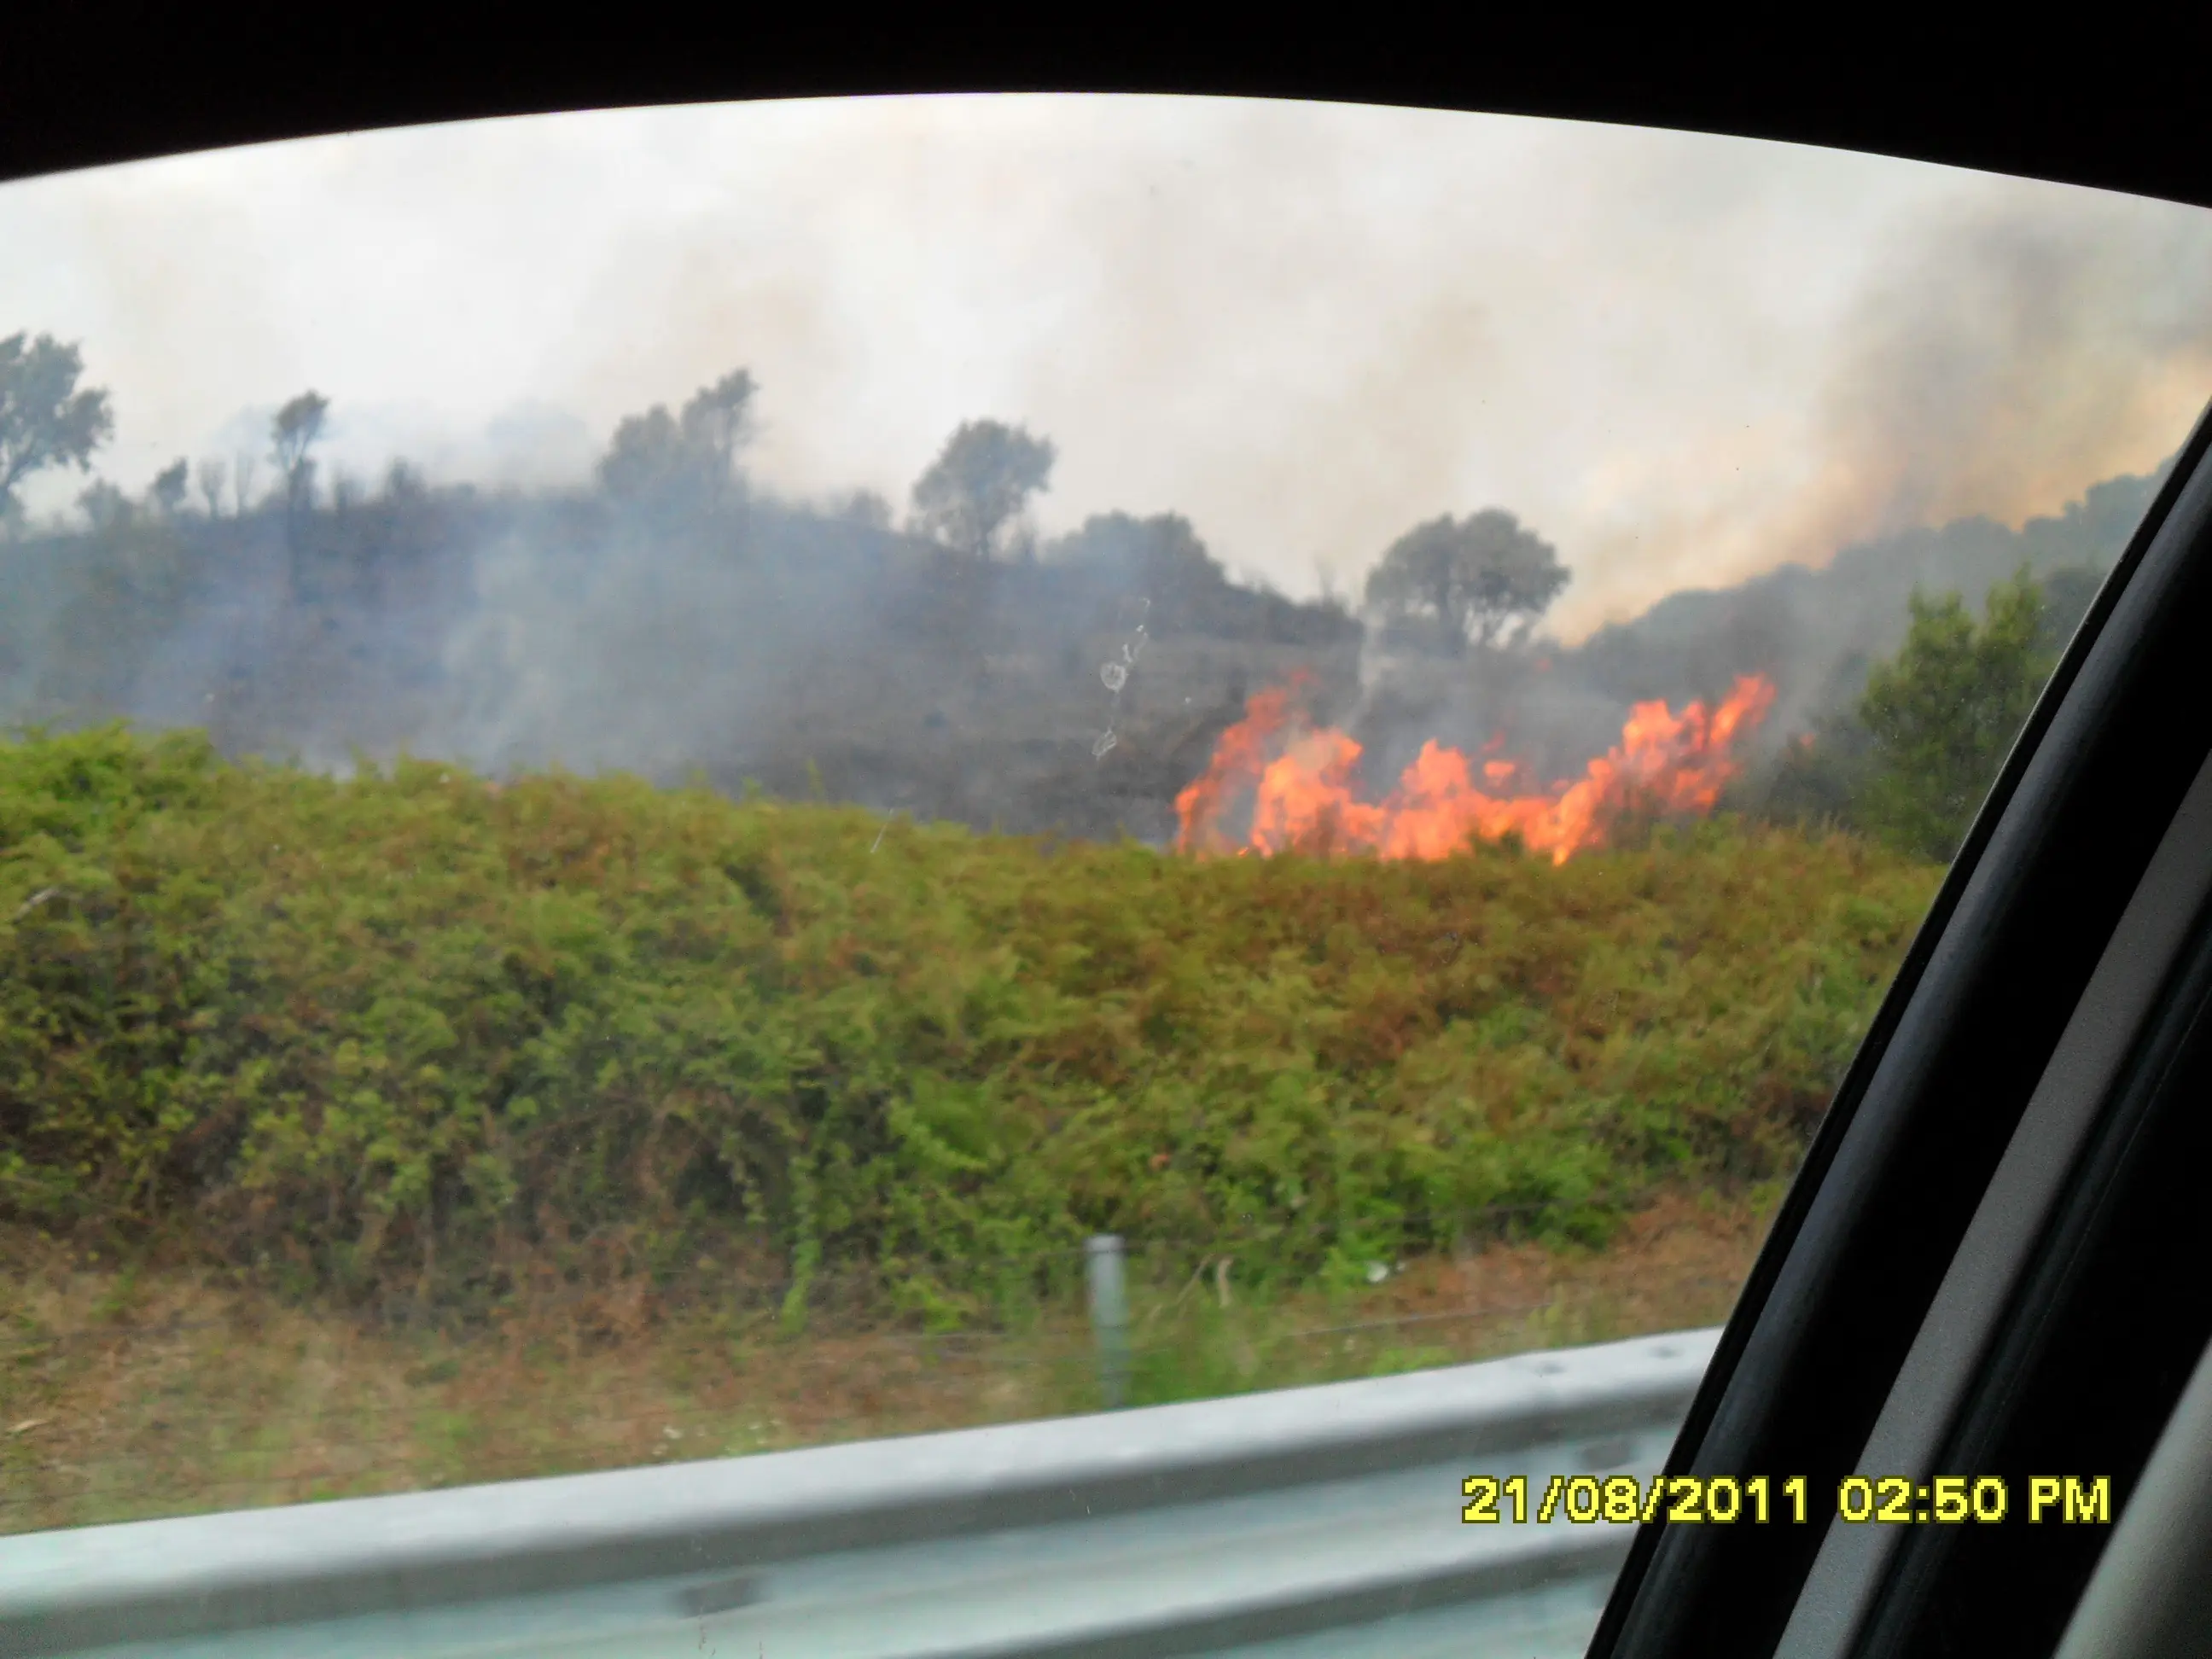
column 1297, row 782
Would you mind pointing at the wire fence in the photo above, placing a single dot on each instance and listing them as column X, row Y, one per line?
column 190, row 1409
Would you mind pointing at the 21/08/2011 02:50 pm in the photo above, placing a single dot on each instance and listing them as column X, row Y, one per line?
column 1689, row 1499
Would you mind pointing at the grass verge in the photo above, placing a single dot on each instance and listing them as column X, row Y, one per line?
column 126, row 1395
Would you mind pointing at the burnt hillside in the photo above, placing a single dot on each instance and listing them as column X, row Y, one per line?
column 809, row 651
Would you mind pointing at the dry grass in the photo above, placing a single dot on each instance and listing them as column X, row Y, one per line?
column 127, row 1394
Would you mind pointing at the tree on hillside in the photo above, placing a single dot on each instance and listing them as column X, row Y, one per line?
column 973, row 493
column 292, row 437
column 684, row 460
column 646, row 454
column 209, row 475
column 1481, row 580
column 167, row 493
column 1942, row 714
column 293, row 434
column 105, row 507
column 403, row 481
column 46, row 418
column 717, row 422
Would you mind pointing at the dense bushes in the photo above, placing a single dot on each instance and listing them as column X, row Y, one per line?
column 414, row 1032
column 1910, row 765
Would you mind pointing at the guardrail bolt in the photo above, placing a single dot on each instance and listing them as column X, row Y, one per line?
column 1109, row 1316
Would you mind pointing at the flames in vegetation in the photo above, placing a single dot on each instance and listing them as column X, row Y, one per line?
column 1279, row 783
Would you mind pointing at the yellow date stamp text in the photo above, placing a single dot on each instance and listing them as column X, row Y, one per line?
column 1725, row 1500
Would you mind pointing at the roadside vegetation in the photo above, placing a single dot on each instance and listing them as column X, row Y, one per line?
column 412, row 1038
column 130, row 1389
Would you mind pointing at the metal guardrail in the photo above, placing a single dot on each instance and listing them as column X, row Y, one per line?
column 1320, row 1520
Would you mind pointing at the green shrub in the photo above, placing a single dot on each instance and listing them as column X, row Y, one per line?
column 1943, row 714
column 413, row 1033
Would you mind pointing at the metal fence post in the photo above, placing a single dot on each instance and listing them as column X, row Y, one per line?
column 1109, row 1315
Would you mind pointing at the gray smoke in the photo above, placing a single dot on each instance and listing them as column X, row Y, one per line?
column 1995, row 366
column 2000, row 361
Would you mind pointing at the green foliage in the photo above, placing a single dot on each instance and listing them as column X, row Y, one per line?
column 1943, row 712
column 411, row 1032
column 1819, row 777
column 1910, row 763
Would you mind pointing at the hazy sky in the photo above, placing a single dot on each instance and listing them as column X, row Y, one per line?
column 1308, row 327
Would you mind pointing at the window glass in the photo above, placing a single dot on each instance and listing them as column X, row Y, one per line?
column 658, row 760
